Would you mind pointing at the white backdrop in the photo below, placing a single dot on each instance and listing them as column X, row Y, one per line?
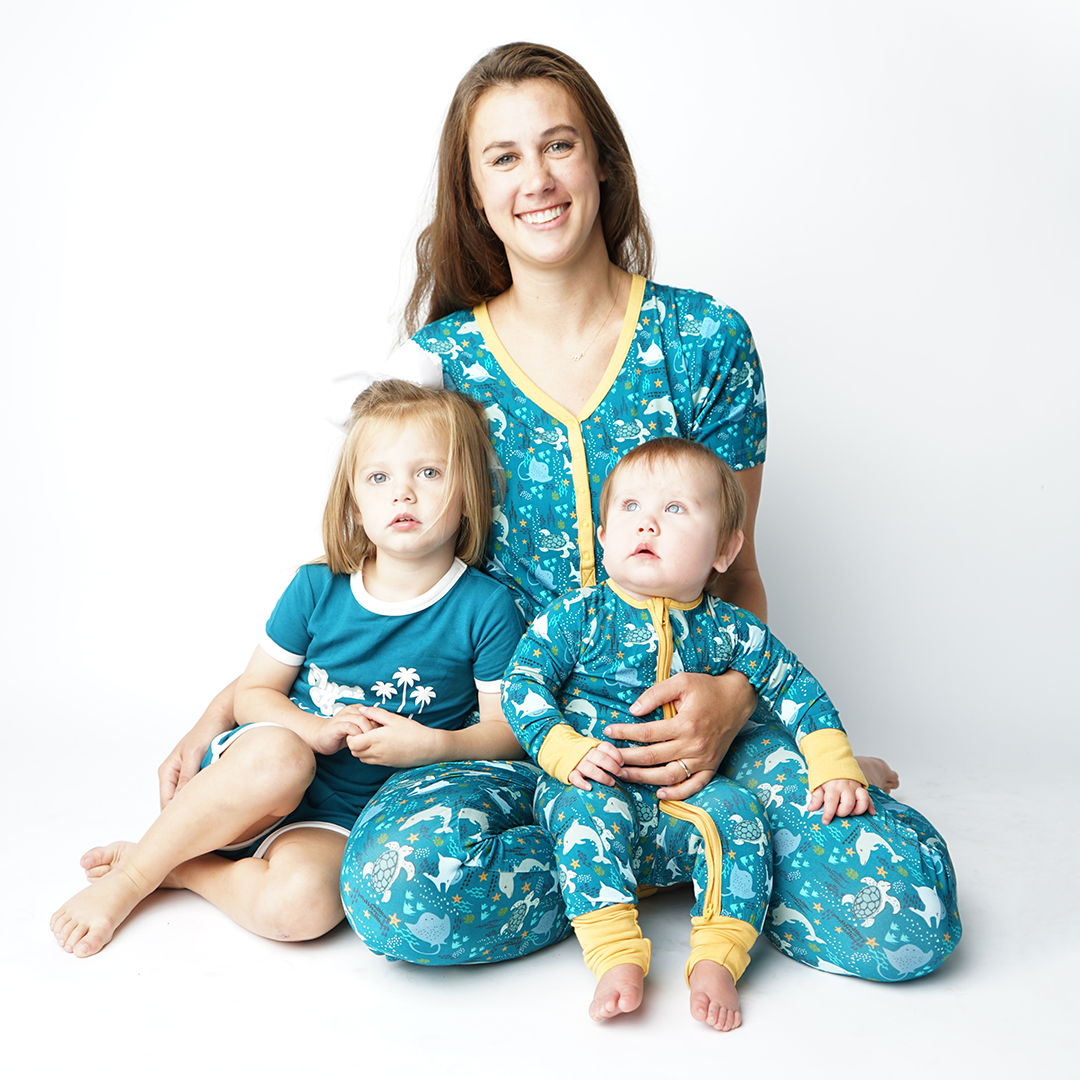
column 206, row 211
column 205, row 215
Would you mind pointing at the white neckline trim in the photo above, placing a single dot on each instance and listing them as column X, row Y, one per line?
column 406, row 607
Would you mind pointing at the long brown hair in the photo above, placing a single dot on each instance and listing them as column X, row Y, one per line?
column 471, row 467
column 459, row 259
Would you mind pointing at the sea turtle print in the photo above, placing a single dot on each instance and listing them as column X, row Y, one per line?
column 748, row 831
column 869, row 902
column 385, row 869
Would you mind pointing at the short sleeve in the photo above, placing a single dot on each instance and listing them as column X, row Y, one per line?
column 496, row 635
column 289, row 625
column 730, row 414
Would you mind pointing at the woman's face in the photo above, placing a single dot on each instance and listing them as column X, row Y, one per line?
column 535, row 174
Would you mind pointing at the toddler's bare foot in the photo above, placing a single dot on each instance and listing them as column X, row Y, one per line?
column 879, row 773
column 618, row 991
column 713, row 997
column 100, row 860
column 87, row 922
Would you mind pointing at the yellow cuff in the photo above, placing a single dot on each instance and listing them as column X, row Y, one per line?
column 829, row 757
column 562, row 750
column 611, row 936
column 723, row 939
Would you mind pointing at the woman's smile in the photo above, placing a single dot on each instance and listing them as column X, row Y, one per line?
column 535, row 174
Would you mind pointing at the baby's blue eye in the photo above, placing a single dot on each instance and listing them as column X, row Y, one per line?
column 675, row 508
column 631, row 505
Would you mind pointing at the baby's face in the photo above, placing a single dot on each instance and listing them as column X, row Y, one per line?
column 662, row 530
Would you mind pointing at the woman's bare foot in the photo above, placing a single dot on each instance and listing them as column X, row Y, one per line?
column 618, row 991
column 87, row 922
column 713, row 997
column 879, row 773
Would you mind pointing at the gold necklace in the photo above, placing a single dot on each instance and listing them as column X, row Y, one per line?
column 603, row 323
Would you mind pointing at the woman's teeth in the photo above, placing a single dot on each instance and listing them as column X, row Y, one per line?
column 541, row 217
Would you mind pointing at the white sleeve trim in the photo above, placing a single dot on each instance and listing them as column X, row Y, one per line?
column 282, row 656
column 494, row 687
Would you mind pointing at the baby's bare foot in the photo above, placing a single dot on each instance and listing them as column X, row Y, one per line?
column 879, row 773
column 713, row 997
column 618, row 991
column 87, row 922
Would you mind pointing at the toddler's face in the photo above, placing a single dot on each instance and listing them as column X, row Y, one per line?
column 662, row 530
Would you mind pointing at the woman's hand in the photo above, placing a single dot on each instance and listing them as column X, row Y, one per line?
column 185, row 758
column 685, row 751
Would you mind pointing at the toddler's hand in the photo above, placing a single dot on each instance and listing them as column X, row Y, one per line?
column 391, row 739
column 839, row 798
column 332, row 735
column 601, row 763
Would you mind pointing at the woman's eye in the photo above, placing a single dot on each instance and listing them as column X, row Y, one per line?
column 504, row 160
column 560, row 147
column 675, row 508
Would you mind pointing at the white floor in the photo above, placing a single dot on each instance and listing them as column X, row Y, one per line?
column 183, row 989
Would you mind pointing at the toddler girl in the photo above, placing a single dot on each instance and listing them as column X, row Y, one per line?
column 373, row 659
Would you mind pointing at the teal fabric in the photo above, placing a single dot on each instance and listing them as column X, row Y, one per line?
column 447, row 906
column 691, row 371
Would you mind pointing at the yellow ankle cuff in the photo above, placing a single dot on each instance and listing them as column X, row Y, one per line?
column 722, row 939
column 611, row 936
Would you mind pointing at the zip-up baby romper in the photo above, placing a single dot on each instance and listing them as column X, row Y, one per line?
column 580, row 666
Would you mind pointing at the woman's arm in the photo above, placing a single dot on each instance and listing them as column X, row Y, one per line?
column 741, row 585
column 710, row 710
column 186, row 756
column 404, row 743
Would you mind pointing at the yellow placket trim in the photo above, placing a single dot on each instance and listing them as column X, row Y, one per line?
column 658, row 608
column 579, row 465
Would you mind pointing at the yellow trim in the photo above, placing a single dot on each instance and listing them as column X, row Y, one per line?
column 611, row 936
column 713, row 936
column 562, row 750
column 714, row 849
column 579, row 465
column 724, row 940
column 658, row 607
column 829, row 757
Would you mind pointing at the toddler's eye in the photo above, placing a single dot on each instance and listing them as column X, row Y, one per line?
column 675, row 508
column 378, row 478
column 430, row 473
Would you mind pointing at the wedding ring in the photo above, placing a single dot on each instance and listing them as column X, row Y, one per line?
column 685, row 767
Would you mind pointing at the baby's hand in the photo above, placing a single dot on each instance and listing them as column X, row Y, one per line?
column 601, row 763
column 839, row 798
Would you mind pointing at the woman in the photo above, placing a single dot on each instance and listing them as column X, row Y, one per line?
column 532, row 284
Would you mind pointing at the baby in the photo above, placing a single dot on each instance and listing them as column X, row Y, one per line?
column 671, row 514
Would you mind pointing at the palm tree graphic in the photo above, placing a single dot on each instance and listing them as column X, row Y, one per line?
column 384, row 690
column 405, row 677
column 424, row 695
